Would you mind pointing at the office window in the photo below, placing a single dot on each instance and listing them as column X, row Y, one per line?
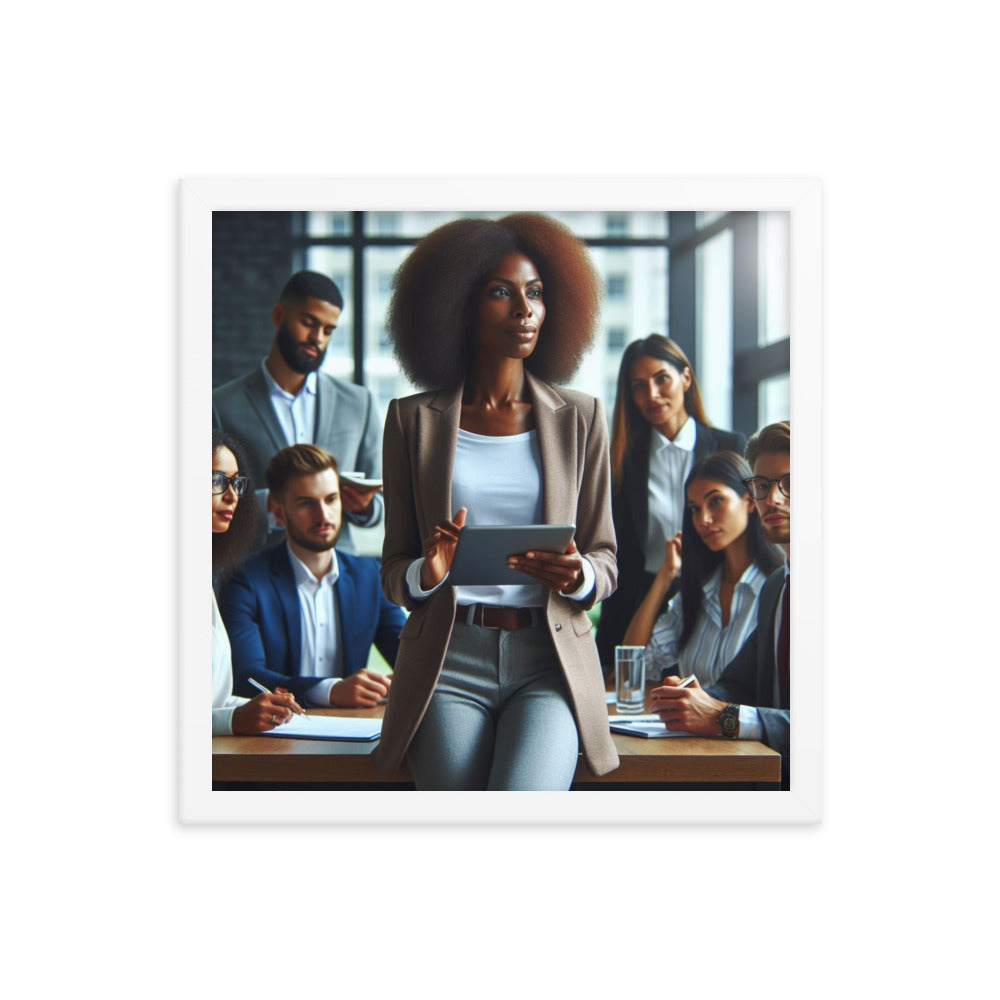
column 319, row 224
column 774, row 399
column 380, row 265
column 385, row 223
column 773, row 276
column 703, row 219
column 616, row 224
column 336, row 263
column 616, row 337
column 714, row 326
column 638, row 262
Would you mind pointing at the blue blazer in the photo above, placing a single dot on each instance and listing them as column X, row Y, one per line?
column 260, row 607
column 749, row 678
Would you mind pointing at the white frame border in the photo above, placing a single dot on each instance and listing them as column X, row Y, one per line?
column 197, row 803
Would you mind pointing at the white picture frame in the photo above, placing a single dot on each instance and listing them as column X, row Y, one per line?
column 198, row 199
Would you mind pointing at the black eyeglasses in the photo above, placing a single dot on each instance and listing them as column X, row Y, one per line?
column 760, row 487
column 221, row 482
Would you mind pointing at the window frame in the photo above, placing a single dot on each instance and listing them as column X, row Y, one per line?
column 752, row 363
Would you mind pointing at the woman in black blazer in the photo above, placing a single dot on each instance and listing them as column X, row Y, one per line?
column 658, row 395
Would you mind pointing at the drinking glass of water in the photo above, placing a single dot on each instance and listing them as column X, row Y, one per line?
column 630, row 681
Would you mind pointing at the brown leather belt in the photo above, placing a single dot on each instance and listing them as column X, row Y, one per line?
column 493, row 616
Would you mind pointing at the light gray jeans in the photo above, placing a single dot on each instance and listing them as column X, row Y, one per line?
column 499, row 718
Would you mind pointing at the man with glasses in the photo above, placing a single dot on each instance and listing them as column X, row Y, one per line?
column 750, row 700
column 288, row 400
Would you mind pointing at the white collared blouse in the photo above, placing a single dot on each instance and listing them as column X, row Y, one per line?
column 670, row 464
column 711, row 645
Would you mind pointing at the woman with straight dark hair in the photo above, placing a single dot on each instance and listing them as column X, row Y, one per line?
column 233, row 525
column 726, row 561
column 659, row 431
column 496, row 687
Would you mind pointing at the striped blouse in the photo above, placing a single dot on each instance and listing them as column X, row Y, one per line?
column 711, row 645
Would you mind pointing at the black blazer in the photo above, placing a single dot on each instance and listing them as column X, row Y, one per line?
column 630, row 511
column 749, row 677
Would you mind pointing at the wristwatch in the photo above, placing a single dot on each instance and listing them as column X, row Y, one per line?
column 729, row 721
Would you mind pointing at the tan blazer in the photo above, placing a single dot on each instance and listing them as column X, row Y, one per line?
column 419, row 441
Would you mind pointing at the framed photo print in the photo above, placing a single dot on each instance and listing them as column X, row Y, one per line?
column 589, row 352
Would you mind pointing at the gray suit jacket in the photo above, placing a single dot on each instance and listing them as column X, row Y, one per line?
column 346, row 426
column 420, row 439
column 749, row 678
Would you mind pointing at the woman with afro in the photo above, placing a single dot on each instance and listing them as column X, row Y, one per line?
column 496, row 687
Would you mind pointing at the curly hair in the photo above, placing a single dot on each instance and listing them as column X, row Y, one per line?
column 431, row 314
column 229, row 547
column 729, row 469
column 629, row 428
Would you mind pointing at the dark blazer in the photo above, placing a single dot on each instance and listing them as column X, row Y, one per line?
column 749, row 678
column 630, row 510
column 347, row 426
column 260, row 607
column 419, row 452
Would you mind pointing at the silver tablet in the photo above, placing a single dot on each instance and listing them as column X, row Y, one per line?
column 482, row 551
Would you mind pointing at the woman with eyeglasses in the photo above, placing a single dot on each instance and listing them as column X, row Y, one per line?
column 659, row 431
column 726, row 560
column 233, row 526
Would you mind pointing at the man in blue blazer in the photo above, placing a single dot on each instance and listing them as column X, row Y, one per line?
column 300, row 615
column 750, row 700
column 288, row 400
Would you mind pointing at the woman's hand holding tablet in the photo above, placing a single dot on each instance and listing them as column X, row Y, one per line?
column 561, row 572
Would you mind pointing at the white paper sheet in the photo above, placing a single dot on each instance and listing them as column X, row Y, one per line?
column 328, row 727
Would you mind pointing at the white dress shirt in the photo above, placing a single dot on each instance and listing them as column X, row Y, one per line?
column 669, row 466
column 297, row 417
column 711, row 645
column 322, row 652
column 224, row 702
column 296, row 413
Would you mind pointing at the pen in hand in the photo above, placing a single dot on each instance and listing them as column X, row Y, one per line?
column 264, row 690
column 687, row 682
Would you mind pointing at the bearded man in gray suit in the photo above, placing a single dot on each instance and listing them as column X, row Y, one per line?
column 288, row 400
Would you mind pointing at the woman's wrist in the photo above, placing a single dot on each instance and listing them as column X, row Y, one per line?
column 426, row 583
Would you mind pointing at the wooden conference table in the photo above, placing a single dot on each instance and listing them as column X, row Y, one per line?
column 272, row 762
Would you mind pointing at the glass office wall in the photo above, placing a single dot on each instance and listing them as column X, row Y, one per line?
column 714, row 326
column 773, row 276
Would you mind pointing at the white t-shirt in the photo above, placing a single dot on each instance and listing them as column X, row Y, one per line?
column 499, row 481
